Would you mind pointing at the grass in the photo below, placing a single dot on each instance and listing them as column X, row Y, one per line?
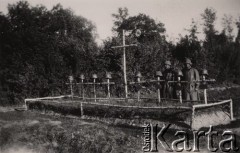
column 231, row 93
column 44, row 133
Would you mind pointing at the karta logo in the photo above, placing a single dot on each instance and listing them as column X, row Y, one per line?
column 225, row 141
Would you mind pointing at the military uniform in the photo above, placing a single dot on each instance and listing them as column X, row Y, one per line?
column 168, row 88
column 190, row 89
column 168, row 75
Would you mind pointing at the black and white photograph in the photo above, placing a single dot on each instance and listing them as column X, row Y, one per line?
column 119, row 76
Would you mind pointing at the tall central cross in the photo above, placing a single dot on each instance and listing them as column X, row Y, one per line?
column 124, row 61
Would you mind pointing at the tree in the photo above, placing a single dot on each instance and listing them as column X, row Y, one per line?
column 238, row 33
column 152, row 46
column 190, row 47
column 119, row 18
column 210, row 42
column 209, row 17
column 227, row 27
column 219, row 48
column 40, row 48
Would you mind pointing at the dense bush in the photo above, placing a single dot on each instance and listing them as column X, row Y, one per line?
column 40, row 48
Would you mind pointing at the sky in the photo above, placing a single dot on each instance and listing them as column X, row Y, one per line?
column 176, row 15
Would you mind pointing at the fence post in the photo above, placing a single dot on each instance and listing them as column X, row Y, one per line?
column 204, row 74
column 179, row 75
column 108, row 77
column 159, row 75
column 94, row 76
column 231, row 109
column 138, row 76
column 82, row 77
column 81, row 105
column 71, row 85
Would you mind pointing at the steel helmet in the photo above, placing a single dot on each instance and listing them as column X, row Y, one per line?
column 167, row 63
column 138, row 75
column 108, row 75
column 205, row 72
column 159, row 74
column 94, row 76
column 82, row 77
column 179, row 73
column 70, row 78
column 188, row 61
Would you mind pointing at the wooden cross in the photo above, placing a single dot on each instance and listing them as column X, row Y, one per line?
column 124, row 61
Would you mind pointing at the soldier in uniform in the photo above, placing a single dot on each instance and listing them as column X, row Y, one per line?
column 168, row 75
column 191, row 76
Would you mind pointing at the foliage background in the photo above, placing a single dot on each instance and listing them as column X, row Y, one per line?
column 40, row 48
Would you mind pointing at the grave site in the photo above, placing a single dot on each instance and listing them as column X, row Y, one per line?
column 90, row 116
column 136, row 110
column 191, row 113
column 141, row 103
column 88, row 76
column 99, row 105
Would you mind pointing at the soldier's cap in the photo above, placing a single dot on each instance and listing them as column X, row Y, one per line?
column 188, row 61
column 167, row 63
